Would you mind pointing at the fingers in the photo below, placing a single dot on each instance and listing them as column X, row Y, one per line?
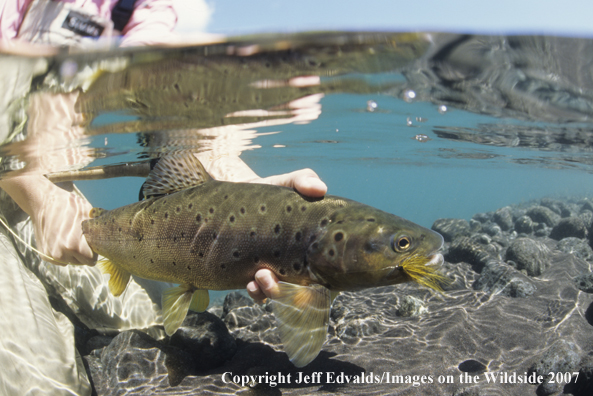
column 304, row 181
column 265, row 285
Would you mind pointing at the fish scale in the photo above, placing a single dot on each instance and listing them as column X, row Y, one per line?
column 211, row 235
column 153, row 245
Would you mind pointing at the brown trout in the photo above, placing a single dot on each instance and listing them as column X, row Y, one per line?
column 210, row 235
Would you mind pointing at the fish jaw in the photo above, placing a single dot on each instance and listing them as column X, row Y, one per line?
column 364, row 247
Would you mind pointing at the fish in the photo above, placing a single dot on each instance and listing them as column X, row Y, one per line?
column 204, row 234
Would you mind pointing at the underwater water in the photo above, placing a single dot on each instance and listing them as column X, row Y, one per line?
column 474, row 136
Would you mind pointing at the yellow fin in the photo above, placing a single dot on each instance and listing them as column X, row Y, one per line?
column 302, row 313
column 176, row 302
column 118, row 277
column 426, row 275
column 200, row 301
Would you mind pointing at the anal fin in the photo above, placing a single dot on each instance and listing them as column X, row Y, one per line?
column 119, row 278
column 175, row 303
column 302, row 313
column 199, row 301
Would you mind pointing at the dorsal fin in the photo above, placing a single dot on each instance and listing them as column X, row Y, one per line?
column 174, row 173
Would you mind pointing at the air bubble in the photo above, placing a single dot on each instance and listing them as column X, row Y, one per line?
column 409, row 121
column 371, row 106
column 442, row 109
column 409, row 95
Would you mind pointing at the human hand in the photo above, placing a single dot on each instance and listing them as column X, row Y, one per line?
column 56, row 215
column 307, row 183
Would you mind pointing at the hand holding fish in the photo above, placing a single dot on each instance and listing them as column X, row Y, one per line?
column 56, row 214
column 308, row 183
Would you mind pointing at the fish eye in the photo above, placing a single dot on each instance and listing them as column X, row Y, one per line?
column 402, row 243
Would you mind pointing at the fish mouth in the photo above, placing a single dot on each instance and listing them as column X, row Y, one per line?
column 435, row 259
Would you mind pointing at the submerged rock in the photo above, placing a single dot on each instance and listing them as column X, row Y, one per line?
column 411, row 306
column 569, row 227
column 524, row 225
column 578, row 247
column 451, row 228
column 475, row 250
column 585, row 282
column 504, row 218
column 541, row 214
column 562, row 357
column 529, row 255
column 500, row 278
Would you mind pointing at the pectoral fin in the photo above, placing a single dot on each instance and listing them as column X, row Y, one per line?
column 302, row 313
column 175, row 303
column 200, row 301
column 118, row 279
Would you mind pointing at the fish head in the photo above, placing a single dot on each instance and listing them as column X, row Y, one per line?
column 365, row 247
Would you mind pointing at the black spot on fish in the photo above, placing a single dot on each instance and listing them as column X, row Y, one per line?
column 130, row 221
column 339, row 222
column 323, row 222
column 242, row 210
column 232, row 218
column 189, row 267
column 191, row 205
column 166, row 215
column 255, row 259
column 314, row 246
column 312, row 238
column 236, row 254
column 134, row 256
column 289, row 208
column 277, row 229
column 174, row 239
column 119, row 229
column 140, row 239
column 276, row 253
column 205, row 220
column 338, row 236
column 151, row 261
column 226, row 196
column 298, row 236
column 341, row 205
column 370, row 219
column 214, row 235
column 331, row 252
column 303, row 208
column 282, row 271
column 369, row 247
column 174, row 263
column 201, row 254
column 151, row 221
column 262, row 208
column 182, row 234
column 198, row 217
column 296, row 266
column 211, row 210
column 164, row 201
column 178, row 209
column 252, row 234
